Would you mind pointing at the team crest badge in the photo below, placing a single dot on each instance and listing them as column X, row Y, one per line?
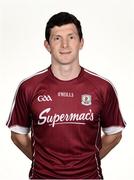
column 86, row 99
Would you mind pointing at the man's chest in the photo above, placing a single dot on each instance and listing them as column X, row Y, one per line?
column 55, row 105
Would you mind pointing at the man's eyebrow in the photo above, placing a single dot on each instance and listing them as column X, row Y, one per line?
column 56, row 35
column 73, row 33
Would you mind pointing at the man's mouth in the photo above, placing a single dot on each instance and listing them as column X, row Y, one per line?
column 65, row 52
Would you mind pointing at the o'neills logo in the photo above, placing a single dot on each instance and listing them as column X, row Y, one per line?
column 72, row 118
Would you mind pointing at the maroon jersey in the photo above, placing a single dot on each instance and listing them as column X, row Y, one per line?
column 65, row 119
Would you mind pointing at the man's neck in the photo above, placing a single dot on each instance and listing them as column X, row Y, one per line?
column 66, row 72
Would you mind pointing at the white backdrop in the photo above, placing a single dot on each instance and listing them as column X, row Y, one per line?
column 108, row 28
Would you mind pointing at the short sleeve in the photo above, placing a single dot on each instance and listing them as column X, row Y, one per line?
column 111, row 117
column 19, row 119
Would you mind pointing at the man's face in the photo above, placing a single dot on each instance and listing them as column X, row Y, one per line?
column 64, row 44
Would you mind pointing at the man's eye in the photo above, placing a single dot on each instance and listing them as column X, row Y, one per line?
column 71, row 37
column 57, row 38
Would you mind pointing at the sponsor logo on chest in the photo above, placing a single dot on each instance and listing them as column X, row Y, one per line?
column 45, row 117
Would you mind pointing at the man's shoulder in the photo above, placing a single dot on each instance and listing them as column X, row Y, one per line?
column 97, row 80
column 34, row 79
column 94, row 76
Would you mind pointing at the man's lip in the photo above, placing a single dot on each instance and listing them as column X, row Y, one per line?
column 65, row 52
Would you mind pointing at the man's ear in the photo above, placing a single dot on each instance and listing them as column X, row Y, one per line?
column 81, row 43
column 47, row 46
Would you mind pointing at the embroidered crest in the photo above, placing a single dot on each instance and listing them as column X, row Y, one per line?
column 86, row 99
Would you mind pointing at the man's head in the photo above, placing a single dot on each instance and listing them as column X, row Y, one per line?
column 60, row 19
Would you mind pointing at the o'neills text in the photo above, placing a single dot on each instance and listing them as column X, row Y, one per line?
column 72, row 118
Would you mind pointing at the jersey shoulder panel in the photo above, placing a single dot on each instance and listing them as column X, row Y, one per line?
column 98, row 81
column 28, row 85
column 35, row 79
column 101, row 84
column 96, row 77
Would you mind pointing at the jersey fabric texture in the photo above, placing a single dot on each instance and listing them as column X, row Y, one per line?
column 65, row 119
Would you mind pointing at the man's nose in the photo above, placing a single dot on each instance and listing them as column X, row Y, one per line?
column 64, row 43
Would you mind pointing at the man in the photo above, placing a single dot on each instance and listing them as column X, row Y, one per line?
column 65, row 107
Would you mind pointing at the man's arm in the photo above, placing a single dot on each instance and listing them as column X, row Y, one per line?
column 23, row 142
column 109, row 142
